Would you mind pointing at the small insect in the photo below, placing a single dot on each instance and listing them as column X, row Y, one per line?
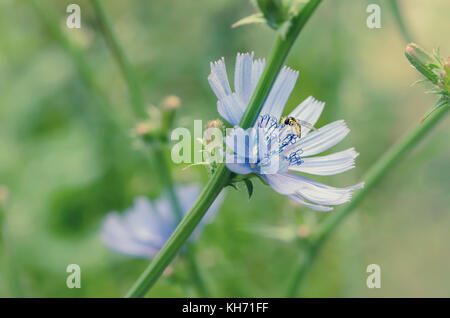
column 297, row 123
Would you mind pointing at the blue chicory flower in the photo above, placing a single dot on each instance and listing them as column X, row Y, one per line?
column 143, row 229
column 272, row 149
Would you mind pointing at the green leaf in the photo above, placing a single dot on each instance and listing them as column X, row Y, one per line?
column 249, row 185
column 285, row 233
column 254, row 18
column 443, row 101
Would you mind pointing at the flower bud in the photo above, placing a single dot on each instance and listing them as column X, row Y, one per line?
column 143, row 128
column 422, row 61
column 171, row 102
column 303, row 231
column 170, row 105
column 216, row 123
column 273, row 11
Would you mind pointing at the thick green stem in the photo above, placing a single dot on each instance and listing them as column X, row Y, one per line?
column 222, row 175
column 119, row 55
column 279, row 54
column 378, row 170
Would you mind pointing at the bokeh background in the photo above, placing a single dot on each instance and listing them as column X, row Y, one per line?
column 66, row 165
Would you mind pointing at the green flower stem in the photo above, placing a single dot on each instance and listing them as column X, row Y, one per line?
column 222, row 176
column 164, row 175
column 161, row 166
column 119, row 55
column 375, row 173
column 279, row 54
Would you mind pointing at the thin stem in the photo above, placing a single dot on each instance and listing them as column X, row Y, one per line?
column 158, row 149
column 300, row 275
column 52, row 25
column 100, row 120
column 12, row 274
column 165, row 176
column 398, row 17
column 121, row 58
column 222, row 175
column 196, row 275
column 375, row 173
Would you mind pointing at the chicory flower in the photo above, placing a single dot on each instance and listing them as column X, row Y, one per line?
column 143, row 229
column 272, row 149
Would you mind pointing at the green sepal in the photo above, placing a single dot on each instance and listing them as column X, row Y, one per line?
column 249, row 185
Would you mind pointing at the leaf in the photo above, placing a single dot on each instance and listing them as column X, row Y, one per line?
column 254, row 18
column 233, row 186
column 280, row 233
column 249, row 185
column 443, row 101
column 263, row 181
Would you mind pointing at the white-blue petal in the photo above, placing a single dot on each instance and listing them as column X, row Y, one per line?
column 240, row 168
column 313, row 191
column 231, row 108
column 279, row 94
column 316, row 207
column 218, row 79
column 322, row 194
column 282, row 183
column 117, row 237
column 328, row 165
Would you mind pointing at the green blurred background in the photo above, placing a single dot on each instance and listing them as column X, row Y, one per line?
column 66, row 165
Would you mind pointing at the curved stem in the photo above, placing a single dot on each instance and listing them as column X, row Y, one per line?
column 165, row 176
column 119, row 55
column 398, row 17
column 222, row 175
column 375, row 173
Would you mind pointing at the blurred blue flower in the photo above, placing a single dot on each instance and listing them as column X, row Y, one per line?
column 143, row 229
column 272, row 149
